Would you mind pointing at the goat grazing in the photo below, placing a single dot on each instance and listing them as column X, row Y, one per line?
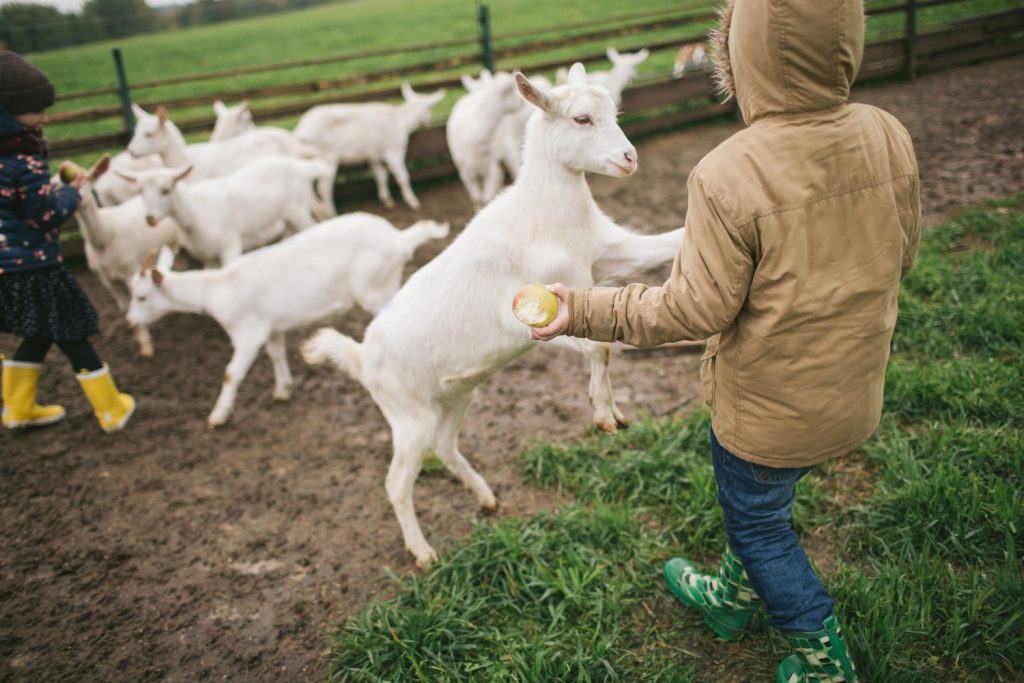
column 117, row 240
column 375, row 133
column 355, row 259
column 451, row 327
column 222, row 217
column 470, row 131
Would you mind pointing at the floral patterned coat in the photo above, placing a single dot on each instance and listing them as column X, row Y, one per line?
column 32, row 210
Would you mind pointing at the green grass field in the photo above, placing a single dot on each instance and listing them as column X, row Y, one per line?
column 920, row 531
column 358, row 25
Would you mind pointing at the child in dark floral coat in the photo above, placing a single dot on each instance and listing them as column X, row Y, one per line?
column 40, row 301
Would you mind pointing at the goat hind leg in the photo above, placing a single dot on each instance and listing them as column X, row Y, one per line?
column 607, row 415
column 446, row 445
column 412, row 437
column 396, row 164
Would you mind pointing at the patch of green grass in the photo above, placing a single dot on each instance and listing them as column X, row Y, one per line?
column 926, row 558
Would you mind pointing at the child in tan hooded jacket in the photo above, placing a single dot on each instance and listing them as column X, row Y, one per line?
column 798, row 233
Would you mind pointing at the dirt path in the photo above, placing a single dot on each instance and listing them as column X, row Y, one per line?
column 172, row 553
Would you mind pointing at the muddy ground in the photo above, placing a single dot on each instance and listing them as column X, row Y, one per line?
column 168, row 552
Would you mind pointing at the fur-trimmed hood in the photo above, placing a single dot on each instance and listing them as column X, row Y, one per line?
column 788, row 56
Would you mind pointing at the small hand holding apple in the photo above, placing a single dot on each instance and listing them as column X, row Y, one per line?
column 544, row 309
column 72, row 174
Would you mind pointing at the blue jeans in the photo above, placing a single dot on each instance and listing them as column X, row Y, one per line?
column 758, row 506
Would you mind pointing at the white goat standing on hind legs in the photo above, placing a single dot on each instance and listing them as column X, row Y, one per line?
column 422, row 364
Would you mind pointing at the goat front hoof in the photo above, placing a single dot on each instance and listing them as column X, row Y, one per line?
column 213, row 422
column 146, row 352
column 608, row 427
column 414, row 205
column 283, row 394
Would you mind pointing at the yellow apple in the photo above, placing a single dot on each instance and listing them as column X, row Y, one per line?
column 69, row 170
column 535, row 305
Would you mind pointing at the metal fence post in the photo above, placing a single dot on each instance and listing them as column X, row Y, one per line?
column 911, row 31
column 486, row 54
column 122, row 87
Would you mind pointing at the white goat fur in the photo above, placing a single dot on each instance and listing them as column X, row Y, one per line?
column 222, row 217
column 375, row 133
column 355, row 259
column 117, row 240
column 471, row 131
column 231, row 121
column 451, row 326
column 618, row 78
column 157, row 134
column 111, row 189
column 689, row 56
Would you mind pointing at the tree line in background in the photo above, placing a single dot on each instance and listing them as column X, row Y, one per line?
column 29, row 27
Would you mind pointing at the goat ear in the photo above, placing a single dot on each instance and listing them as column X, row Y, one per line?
column 161, row 113
column 138, row 111
column 468, row 83
column 437, row 96
column 158, row 277
column 127, row 176
column 181, row 176
column 613, row 54
column 218, row 107
column 99, row 168
column 408, row 94
column 561, row 76
column 532, row 94
column 485, row 76
column 577, row 75
column 642, row 55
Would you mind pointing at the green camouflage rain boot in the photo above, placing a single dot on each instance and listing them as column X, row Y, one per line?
column 727, row 601
column 821, row 657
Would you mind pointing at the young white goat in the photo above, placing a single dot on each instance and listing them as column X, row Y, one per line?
column 111, row 189
column 689, row 56
column 451, row 325
column 231, row 121
column 117, row 240
column 222, row 217
column 622, row 73
column 471, row 130
column 376, row 133
column 355, row 259
column 157, row 134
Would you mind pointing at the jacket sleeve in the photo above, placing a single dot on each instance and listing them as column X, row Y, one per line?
column 46, row 206
column 704, row 293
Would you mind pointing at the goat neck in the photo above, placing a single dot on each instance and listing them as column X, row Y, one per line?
column 96, row 232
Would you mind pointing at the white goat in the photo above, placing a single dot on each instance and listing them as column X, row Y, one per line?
column 111, row 189
column 157, row 134
column 376, row 133
column 355, row 259
column 689, row 56
column 222, row 217
column 117, row 240
column 622, row 73
column 451, row 325
column 471, row 130
column 231, row 121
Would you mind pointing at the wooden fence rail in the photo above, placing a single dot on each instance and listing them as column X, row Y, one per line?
column 657, row 103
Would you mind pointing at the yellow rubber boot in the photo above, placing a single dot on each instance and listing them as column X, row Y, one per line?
column 19, row 391
column 112, row 408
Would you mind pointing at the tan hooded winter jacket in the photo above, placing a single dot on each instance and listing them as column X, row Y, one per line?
column 799, row 230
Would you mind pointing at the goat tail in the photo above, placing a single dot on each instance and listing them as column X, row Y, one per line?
column 328, row 346
column 323, row 190
column 421, row 232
